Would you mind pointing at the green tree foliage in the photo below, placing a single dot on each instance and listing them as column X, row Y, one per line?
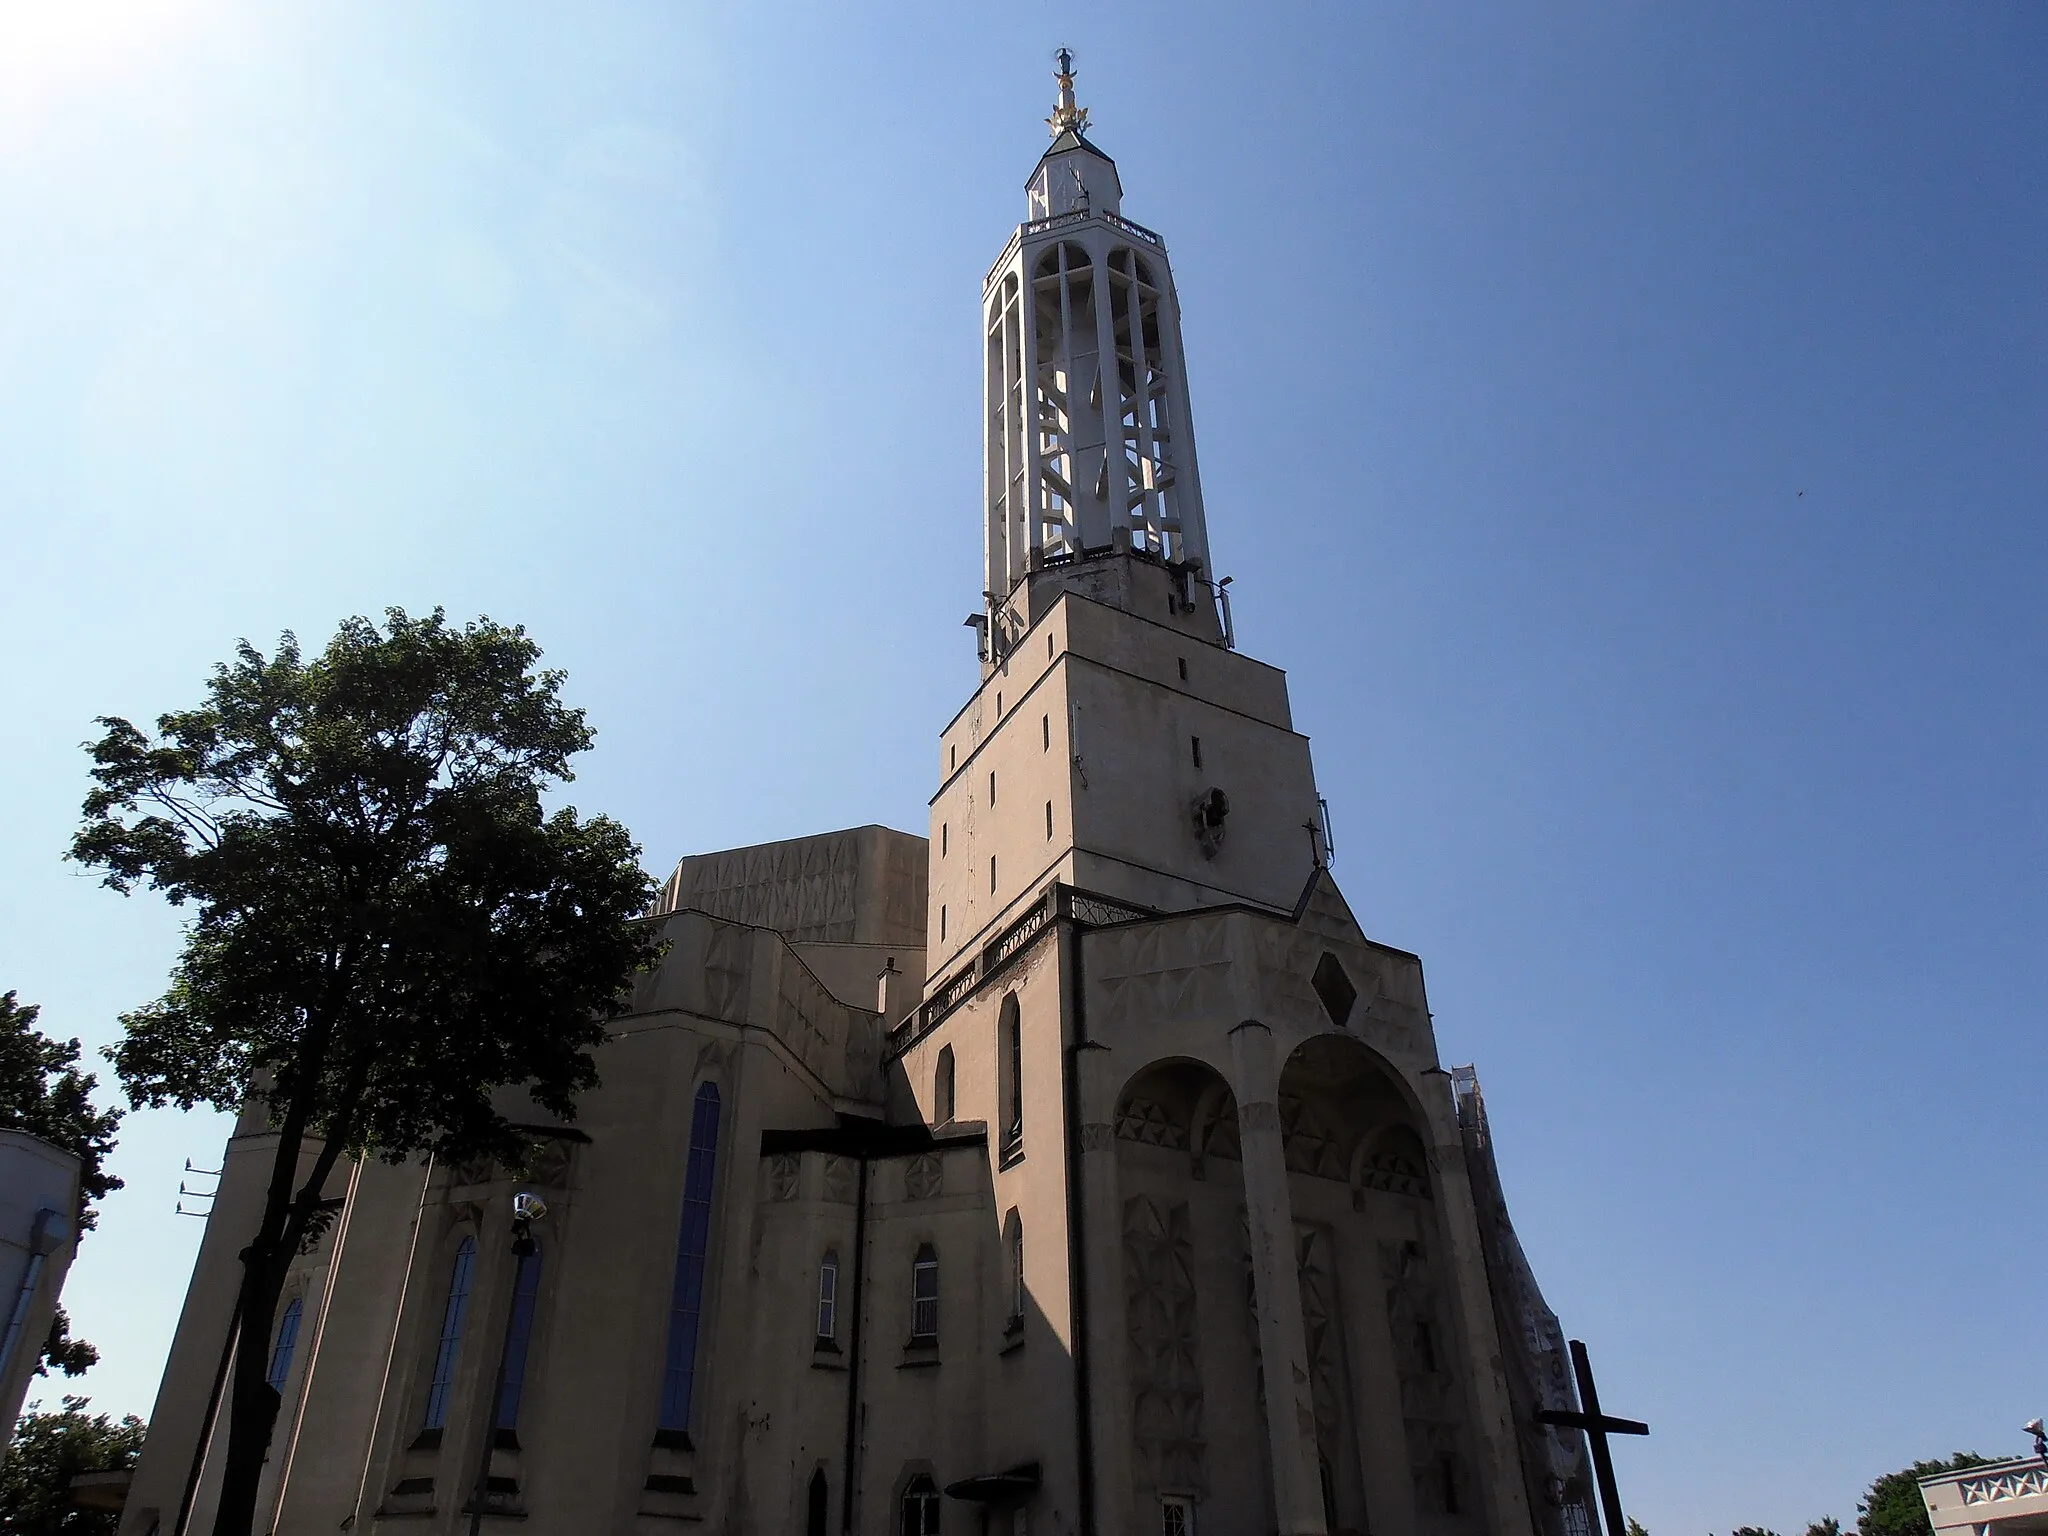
column 389, row 930
column 43, row 1092
column 1636, row 1527
column 1893, row 1506
column 49, row 1449
column 1826, row 1525
column 1752, row 1530
column 74, row 1357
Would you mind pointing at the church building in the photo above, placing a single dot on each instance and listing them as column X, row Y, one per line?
column 1080, row 1168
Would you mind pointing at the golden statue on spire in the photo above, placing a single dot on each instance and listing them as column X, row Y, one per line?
column 1066, row 117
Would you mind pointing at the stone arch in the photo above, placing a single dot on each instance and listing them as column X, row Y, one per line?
column 1196, row 1419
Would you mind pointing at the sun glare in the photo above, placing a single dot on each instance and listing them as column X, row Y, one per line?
column 58, row 56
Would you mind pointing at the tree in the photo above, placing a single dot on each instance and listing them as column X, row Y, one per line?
column 50, row 1449
column 1826, row 1525
column 1893, row 1506
column 74, row 1357
column 43, row 1093
column 389, row 930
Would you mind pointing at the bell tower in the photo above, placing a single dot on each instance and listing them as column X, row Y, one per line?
column 1088, row 440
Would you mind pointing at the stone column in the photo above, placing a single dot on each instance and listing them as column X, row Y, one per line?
column 1290, row 1410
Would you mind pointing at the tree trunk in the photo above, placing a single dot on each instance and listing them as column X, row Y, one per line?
column 252, row 1401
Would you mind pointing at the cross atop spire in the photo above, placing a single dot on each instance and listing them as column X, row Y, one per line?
column 1066, row 117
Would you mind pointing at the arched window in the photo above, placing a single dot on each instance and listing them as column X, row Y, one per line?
column 1013, row 1242
column 920, row 1507
column 828, row 1297
column 943, row 1104
column 451, row 1334
column 686, row 1303
column 287, row 1342
column 924, row 1296
column 518, row 1336
column 1010, row 1070
column 816, row 1514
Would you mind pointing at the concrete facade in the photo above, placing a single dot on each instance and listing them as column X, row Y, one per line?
column 1081, row 1168
column 2003, row 1498
column 39, row 1208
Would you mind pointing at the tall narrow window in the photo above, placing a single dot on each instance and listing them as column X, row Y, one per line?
column 999, row 706
column 944, row 1105
column 817, row 1514
column 828, row 1297
column 1048, row 821
column 1045, row 733
column 991, row 874
column 686, row 1305
column 287, row 1342
column 1010, row 1073
column 1196, row 743
column 991, row 789
column 459, row 1279
column 945, row 838
column 942, row 920
column 924, row 1296
column 920, row 1507
column 1014, row 1240
column 518, row 1338
column 1183, row 668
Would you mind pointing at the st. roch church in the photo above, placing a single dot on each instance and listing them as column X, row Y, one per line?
column 1080, row 1168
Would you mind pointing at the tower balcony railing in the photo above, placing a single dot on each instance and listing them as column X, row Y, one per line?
column 1060, row 221
column 1058, row 900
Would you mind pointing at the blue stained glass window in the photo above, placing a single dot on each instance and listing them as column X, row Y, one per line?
column 686, row 1306
column 451, row 1334
column 518, row 1332
column 287, row 1342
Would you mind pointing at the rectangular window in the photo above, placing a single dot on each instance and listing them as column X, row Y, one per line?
column 1176, row 1516
column 1048, row 647
column 999, row 706
column 924, row 1297
column 1045, row 733
column 942, row 920
column 828, row 1298
column 991, row 788
column 945, row 838
column 1196, row 742
column 952, row 758
column 991, row 874
column 1048, row 821
column 1183, row 669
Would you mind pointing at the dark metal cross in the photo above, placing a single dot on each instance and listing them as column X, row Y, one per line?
column 1598, row 1426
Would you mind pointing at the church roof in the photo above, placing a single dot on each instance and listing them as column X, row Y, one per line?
column 1071, row 139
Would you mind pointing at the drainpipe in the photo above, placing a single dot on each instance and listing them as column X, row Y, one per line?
column 860, row 1254
column 45, row 1238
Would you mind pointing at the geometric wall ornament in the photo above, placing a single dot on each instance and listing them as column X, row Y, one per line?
column 1335, row 989
column 924, row 1177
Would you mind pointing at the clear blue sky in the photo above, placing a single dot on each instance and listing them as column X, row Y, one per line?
column 1628, row 424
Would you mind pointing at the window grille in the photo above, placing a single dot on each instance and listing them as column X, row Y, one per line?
column 452, row 1315
column 1176, row 1517
column 924, row 1296
column 693, row 1240
column 920, row 1507
column 828, row 1298
column 287, row 1342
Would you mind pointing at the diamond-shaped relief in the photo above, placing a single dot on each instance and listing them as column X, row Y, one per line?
column 1335, row 988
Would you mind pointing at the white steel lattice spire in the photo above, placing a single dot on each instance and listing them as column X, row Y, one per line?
column 1089, row 445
